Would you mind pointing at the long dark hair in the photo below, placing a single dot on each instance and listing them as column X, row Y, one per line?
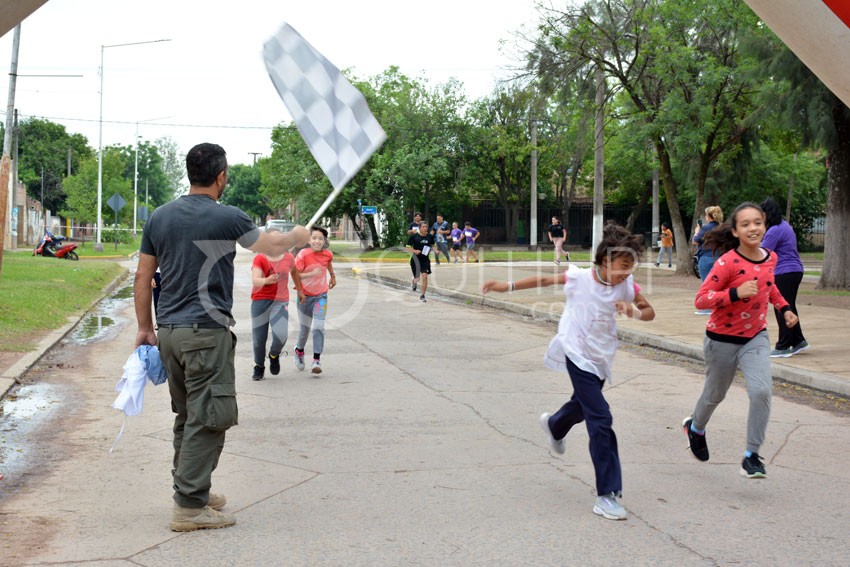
column 772, row 212
column 721, row 237
column 616, row 242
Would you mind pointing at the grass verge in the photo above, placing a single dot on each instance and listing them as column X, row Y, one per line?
column 38, row 294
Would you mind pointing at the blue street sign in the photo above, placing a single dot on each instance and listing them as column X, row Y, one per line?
column 367, row 210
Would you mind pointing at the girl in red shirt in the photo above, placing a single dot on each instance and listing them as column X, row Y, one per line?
column 738, row 290
column 270, row 308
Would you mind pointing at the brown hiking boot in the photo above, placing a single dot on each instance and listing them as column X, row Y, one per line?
column 217, row 501
column 191, row 519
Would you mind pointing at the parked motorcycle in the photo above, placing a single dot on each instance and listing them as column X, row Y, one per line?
column 52, row 246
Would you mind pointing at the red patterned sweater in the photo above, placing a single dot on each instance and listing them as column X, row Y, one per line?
column 733, row 319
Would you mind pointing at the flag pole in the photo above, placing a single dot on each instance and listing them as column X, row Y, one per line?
column 331, row 198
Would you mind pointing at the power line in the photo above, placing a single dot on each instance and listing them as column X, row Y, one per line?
column 132, row 122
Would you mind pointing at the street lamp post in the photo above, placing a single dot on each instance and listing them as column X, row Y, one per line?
column 98, row 245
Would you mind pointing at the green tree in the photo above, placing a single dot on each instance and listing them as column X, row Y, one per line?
column 243, row 191
column 174, row 168
column 45, row 147
column 679, row 65
column 81, row 190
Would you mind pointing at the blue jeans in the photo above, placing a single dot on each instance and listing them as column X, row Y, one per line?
column 705, row 264
column 589, row 405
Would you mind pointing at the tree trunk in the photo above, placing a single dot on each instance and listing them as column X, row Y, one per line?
column 836, row 261
column 636, row 210
column 680, row 239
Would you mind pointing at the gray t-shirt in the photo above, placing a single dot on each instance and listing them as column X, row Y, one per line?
column 194, row 241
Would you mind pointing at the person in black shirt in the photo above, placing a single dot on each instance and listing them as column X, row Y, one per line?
column 419, row 245
column 557, row 234
column 413, row 228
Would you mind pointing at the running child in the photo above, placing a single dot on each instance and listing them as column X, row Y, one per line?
column 310, row 276
column 270, row 308
column 419, row 245
column 456, row 237
column 585, row 346
column 738, row 291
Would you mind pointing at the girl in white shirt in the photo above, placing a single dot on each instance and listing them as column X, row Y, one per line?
column 585, row 347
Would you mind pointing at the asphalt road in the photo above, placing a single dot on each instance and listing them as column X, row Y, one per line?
column 418, row 445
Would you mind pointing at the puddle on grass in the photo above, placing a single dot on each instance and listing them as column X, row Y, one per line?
column 103, row 321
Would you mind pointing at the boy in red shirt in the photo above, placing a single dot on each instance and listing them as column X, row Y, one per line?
column 312, row 266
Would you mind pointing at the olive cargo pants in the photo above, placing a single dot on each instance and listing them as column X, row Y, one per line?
column 202, row 383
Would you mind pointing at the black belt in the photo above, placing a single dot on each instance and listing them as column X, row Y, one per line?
column 190, row 326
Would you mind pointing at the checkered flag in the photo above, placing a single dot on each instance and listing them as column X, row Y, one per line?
column 332, row 116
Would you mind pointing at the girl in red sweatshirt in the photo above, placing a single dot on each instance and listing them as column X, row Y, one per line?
column 738, row 290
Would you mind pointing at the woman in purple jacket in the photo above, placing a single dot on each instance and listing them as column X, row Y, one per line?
column 781, row 239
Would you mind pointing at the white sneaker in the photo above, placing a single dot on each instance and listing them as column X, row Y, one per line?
column 299, row 360
column 316, row 367
column 557, row 445
column 608, row 507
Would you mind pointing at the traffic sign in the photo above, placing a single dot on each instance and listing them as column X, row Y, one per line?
column 367, row 210
column 116, row 202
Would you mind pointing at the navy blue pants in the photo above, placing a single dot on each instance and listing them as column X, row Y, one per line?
column 588, row 404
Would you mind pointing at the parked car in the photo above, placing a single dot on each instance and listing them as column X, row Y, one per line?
column 279, row 224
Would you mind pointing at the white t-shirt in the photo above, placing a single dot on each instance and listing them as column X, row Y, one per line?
column 587, row 332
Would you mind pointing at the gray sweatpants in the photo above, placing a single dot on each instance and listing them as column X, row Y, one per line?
column 721, row 362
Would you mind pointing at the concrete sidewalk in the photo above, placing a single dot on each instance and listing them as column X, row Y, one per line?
column 418, row 445
column 825, row 366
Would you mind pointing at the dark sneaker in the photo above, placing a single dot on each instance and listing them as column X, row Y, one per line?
column 752, row 467
column 258, row 373
column 696, row 442
column 422, row 298
column 191, row 519
column 274, row 364
column 804, row 345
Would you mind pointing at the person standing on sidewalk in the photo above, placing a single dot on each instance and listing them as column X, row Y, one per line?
column 413, row 227
column 419, row 245
column 471, row 235
column 781, row 239
column 270, row 308
column 738, row 293
column 705, row 257
column 557, row 235
column 666, row 246
column 194, row 318
column 585, row 347
column 440, row 230
column 313, row 277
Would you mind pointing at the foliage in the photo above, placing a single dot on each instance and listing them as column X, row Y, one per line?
column 243, row 191
column 46, row 148
column 81, row 189
column 122, row 234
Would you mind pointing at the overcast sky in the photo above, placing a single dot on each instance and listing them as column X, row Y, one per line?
column 209, row 83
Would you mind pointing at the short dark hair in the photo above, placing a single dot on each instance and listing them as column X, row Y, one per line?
column 617, row 241
column 466, row 224
column 204, row 162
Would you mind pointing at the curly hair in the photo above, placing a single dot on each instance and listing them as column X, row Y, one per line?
column 721, row 238
column 616, row 242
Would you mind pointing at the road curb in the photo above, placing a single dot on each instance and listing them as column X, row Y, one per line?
column 815, row 380
column 13, row 374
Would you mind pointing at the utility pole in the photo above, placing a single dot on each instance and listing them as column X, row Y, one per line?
column 599, row 163
column 5, row 162
column 255, row 154
column 533, row 224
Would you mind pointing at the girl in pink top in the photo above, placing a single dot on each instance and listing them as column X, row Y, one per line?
column 313, row 277
column 738, row 291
